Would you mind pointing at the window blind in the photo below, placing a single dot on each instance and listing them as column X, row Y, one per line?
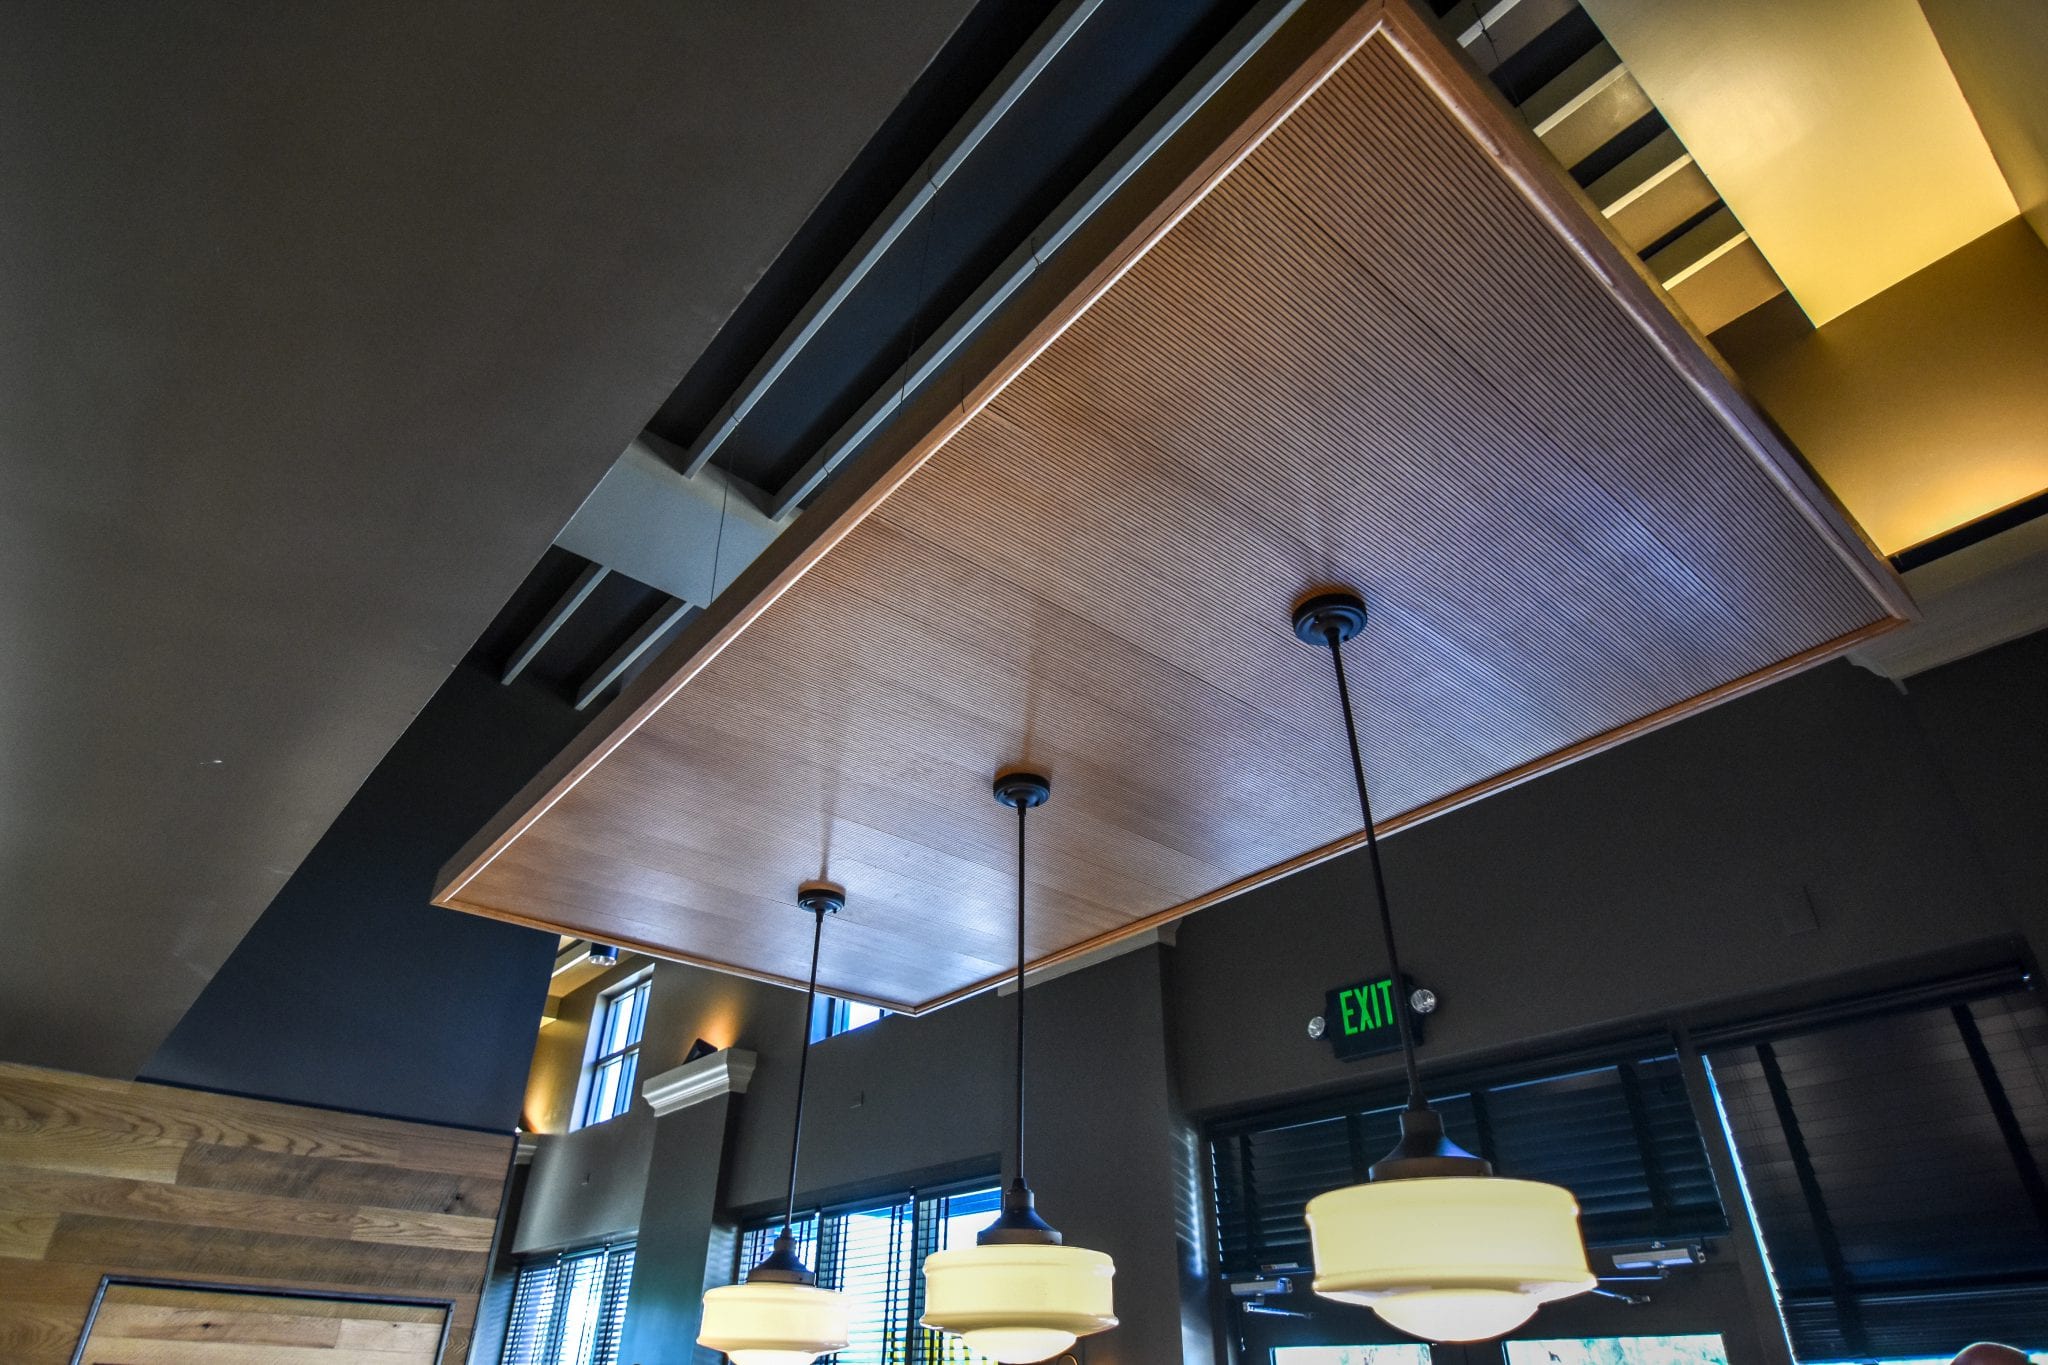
column 949, row 1220
column 570, row 1309
column 1894, row 1163
column 872, row 1252
column 532, row 1318
column 1619, row 1134
column 611, row 1320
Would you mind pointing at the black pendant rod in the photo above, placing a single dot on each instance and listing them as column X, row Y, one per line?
column 803, row 1066
column 1019, row 1222
column 1333, row 636
column 1021, row 810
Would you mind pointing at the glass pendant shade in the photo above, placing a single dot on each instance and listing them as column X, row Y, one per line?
column 1017, row 1302
column 779, row 1315
column 1454, row 1258
column 774, row 1323
column 1019, row 1294
column 1434, row 1242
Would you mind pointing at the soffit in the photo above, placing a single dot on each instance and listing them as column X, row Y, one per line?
column 320, row 321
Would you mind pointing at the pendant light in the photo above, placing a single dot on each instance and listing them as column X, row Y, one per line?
column 1434, row 1242
column 779, row 1315
column 1019, row 1294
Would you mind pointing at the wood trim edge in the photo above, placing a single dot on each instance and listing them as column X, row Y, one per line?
column 662, row 954
column 1494, row 128
column 1443, row 805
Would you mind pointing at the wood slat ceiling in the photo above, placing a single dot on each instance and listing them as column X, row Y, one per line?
column 1374, row 338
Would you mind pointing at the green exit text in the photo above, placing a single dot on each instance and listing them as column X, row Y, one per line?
column 1362, row 1009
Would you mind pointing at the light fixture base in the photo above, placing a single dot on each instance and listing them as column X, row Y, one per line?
column 1018, row 1223
column 1022, row 789
column 1328, row 609
column 782, row 1265
column 1424, row 1151
column 821, row 898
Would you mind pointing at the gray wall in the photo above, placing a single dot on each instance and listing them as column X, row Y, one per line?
column 1671, row 876
column 684, row 1246
column 1987, row 719
column 1829, row 834
column 352, row 991
column 321, row 320
column 901, row 1101
column 587, row 1186
column 907, row 1101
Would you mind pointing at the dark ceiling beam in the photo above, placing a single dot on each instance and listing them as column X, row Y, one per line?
column 1492, row 35
column 1131, row 155
column 961, row 143
column 565, row 607
column 614, row 669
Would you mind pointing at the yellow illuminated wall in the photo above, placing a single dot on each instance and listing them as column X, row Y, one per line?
column 1926, row 407
column 1999, row 52
column 686, row 1003
column 1834, row 129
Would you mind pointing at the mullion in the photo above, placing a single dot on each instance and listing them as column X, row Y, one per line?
column 558, row 1314
column 629, row 1005
column 1847, row 1310
column 916, row 1226
column 634, row 1003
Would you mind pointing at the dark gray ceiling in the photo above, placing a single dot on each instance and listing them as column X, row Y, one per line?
column 316, row 323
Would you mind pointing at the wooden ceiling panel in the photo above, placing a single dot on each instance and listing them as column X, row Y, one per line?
column 1372, row 338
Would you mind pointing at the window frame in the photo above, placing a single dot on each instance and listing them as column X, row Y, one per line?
column 831, row 1017
column 637, row 988
column 614, row 1279
column 822, row 1244
column 1821, row 1296
column 1626, row 1056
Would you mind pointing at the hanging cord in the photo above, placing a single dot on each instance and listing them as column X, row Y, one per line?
column 1379, row 879
column 1021, row 808
column 803, row 1067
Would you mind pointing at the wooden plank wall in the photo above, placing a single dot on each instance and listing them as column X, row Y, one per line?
column 142, row 1325
column 109, row 1177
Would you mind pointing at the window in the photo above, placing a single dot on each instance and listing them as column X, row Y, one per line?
column 1893, row 1158
column 831, row 1016
column 570, row 1309
column 1620, row 1135
column 1403, row 1353
column 615, row 1062
column 872, row 1253
column 1705, row 1349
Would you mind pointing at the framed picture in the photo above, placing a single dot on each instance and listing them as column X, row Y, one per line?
column 169, row 1322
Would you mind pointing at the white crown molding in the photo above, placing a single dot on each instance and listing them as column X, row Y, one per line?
column 722, row 1073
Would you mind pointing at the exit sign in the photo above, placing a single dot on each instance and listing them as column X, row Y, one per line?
column 1359, row 1019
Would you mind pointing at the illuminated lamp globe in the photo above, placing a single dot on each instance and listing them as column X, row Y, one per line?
column 1449, row 1258
column 768, row 1322
column 1019, row 1301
